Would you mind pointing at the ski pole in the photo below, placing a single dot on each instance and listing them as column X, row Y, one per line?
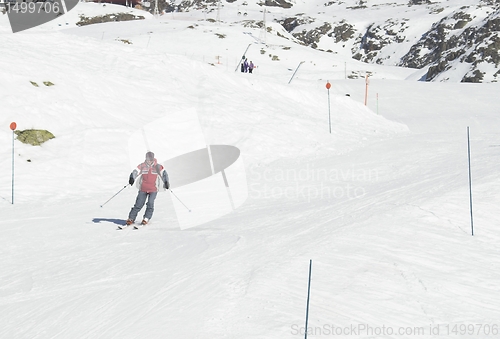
column 179, row 200
column 114, row 195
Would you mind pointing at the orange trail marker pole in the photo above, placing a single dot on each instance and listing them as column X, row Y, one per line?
column 13, row 127
column 366, row 89
column 328, row 86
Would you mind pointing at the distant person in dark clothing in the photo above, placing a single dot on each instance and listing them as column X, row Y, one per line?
column 251, row 66
column 245, row 65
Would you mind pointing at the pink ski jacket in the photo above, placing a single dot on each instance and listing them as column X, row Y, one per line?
column 149, row 178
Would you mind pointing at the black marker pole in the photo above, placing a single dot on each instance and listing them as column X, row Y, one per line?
column 470, row 184
column 308, row 295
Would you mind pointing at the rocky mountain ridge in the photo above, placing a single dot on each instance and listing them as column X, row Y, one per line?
column 455, row 40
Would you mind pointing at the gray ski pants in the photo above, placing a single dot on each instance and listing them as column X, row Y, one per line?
column 139, row 203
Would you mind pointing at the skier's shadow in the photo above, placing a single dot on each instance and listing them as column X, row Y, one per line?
column 114, row 221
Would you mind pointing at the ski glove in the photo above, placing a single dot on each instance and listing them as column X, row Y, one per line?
column 166, row 185
column 132, row 177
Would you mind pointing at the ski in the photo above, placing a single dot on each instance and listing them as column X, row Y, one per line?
column 122, row 227
column 134, row 225
column 140, row 225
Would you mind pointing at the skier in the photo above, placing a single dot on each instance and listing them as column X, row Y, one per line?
column 151, row 175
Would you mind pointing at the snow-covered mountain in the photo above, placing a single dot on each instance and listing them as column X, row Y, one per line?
column 452, row 40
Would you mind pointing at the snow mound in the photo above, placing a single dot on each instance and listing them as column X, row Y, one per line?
column 104, row 92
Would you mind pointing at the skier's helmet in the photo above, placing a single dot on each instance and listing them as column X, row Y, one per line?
column 150, row 156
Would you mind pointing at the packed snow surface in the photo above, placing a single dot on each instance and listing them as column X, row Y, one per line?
column 380, row 204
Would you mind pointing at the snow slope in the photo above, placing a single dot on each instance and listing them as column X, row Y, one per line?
column 380, row 205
